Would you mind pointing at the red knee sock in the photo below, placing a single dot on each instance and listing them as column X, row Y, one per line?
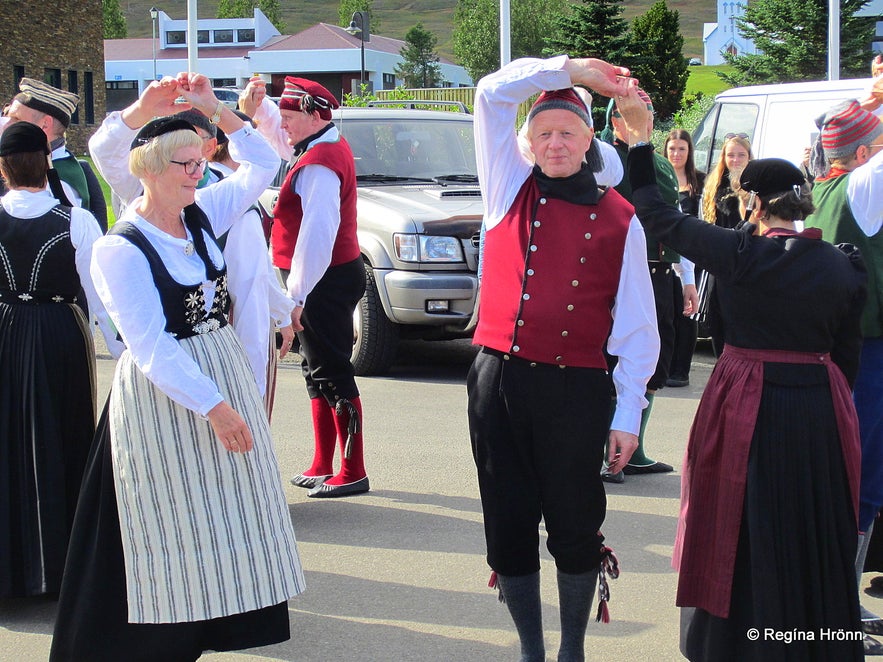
column 352, row 468
column 324, row 437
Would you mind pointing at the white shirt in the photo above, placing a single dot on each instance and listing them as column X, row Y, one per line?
column 502, row 170
column 84, row 231
column 319, row 189
column 124, row 282
column 864, row 193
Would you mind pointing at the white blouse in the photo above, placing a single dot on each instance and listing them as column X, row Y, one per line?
column 124, row 281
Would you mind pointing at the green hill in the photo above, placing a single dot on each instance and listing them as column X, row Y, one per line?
column 398, row 16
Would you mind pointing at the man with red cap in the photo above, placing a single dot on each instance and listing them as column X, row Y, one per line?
column 564, row 275
column 315, row 247
column 848, row 164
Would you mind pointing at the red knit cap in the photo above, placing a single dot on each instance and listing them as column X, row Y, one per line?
column 845, row 127
column 307, row 96
column 566, row 99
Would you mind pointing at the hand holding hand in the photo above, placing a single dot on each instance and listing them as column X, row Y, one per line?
column 230, row 428
column 635, row 113
column 157, row 100
column 598, row 75
column 197, row 89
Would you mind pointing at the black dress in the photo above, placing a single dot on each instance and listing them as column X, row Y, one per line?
column 47, row 399
column 795, row 532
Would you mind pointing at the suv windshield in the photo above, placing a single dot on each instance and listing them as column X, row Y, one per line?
column 420, row 149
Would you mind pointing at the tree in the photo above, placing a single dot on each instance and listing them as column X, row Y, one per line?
column 245, row 9
column 349, row 7
column 419, row 67
column 657, row 59
column 791, row 37
column 114, row 20
column 592, row 28
column 476, row 34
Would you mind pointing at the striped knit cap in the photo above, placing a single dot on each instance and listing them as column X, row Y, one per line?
column 44, row 98
column 307, row 96
column 845, row 127
column 565, row 99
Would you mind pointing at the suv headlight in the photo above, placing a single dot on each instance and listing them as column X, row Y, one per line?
column 423, row 248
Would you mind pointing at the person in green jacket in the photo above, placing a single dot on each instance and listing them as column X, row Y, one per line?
column 660, row 262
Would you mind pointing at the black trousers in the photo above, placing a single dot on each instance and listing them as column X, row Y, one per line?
column 661, row 277
column 686, row 332
column 538, row 434
column 326, row 343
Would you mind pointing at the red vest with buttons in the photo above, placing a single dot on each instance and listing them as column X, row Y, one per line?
column 288, row 213
column 550, row 276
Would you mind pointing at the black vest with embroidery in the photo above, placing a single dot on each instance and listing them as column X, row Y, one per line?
column 37, row 258
column 184, row 305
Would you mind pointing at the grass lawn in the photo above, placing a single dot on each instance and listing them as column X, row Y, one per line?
column 111, row 219
column 705, row 79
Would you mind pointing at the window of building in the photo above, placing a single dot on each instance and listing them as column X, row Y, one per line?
column 202, row 36
column 89, row 97
column 52, row 76
column 176, row 37
column 73, row 85
column 223, row 36
column 18, row 72
column 245, row 35
column 223, row 82
column 389, row 81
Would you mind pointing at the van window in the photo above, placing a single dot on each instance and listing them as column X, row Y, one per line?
column 722, row 119
column 795, row 127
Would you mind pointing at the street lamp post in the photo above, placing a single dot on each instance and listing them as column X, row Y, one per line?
column 359, row 25
column 154, row 14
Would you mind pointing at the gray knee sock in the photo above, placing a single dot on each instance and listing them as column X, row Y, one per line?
column 575, row 593
column 522, row 596
column 864, row 540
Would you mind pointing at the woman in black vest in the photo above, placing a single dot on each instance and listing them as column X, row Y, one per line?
column 182, row 541
column 47, row 365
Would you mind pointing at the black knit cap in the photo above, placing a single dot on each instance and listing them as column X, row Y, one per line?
column 23, row 137
column 158, row 127
column 768, row 176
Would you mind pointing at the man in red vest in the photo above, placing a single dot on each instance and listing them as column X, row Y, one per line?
column 315, row 247
column 564, row 272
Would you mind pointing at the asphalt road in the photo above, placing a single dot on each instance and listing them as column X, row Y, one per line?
column 399, row 573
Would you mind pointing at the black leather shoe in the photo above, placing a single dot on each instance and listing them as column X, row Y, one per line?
column 872, row 646
column 677, row 381
column 873, row 627
column 617, row 478
column 654, row 468
column 308, row 482
column 325, row 491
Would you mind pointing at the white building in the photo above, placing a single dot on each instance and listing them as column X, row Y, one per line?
column 723, row 36
column 231, row 50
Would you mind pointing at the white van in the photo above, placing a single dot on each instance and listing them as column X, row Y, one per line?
column 778, row 120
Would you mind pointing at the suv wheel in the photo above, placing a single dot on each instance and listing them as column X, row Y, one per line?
column 375, row 338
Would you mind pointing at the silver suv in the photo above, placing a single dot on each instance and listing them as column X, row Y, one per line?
column 419, row 216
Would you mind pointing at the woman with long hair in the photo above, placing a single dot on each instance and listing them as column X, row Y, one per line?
column 720, row 206
column 678, row 149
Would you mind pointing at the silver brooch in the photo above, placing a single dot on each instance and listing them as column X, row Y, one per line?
column 188, row 248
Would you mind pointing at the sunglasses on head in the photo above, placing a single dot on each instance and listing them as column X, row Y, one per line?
column 736, row 135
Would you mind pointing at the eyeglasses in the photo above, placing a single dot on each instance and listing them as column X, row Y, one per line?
column 744, row 136
column 192, row 166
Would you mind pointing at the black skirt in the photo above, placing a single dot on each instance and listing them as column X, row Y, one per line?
column 92, row 623
column 794, row 576
column 47, row 420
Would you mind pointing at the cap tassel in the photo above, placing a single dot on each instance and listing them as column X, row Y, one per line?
column 609, row 566
column 494, row 583
column 353, row 426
